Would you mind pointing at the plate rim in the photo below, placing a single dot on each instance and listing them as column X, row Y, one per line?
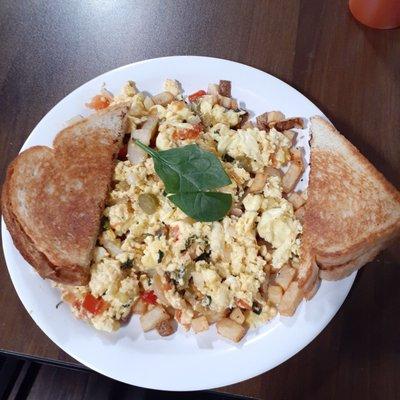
column 222, row 382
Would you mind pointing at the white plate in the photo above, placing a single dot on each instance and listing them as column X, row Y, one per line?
column 183, row 361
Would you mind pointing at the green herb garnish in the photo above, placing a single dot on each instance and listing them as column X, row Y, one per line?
column 189, row 175
column 160, row 256
column 127, row 264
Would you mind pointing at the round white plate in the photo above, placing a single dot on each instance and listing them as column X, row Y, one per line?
column 183, row 361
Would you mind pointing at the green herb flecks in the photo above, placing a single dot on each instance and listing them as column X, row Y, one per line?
column 160, row 256
column 189, row 175
column 127, row 264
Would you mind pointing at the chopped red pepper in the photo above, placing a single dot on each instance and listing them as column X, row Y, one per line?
column 192, row 133
column 123, row 151
column 149, row 297
column 94, row 305
column 194, row 96
column 99, row 102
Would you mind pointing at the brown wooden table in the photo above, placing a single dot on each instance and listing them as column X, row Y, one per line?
column 351, row 72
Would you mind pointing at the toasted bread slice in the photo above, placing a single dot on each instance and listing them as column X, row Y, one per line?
column 352, row 211
column 53, row 199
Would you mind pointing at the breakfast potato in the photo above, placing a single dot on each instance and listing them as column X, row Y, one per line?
column 237, row 316
column 163, row 98
column 275, row 294
column 200, row 324
column 293, row 174
column 259, row 182
column 285, row 276
column 290, row 300
column 166, row 327
column 297, row 199
column 139, row 307
column 287, row 124
column 152, row 318
column 230, row 329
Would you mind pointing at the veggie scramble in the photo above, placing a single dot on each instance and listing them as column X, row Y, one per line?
column 154, row 260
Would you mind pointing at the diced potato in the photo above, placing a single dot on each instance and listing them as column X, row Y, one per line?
column 287, row 124
column 275, row 293
column 237, row 316
column 213, row 89
column 230, row 329
column 314, row 289
column 200, row 324
column 248, row 125
column 290, row 135
column 271, row 171
column 225, row 101
column 148, row 103
column 152, row 318
column 290, row 300
column 285, row 276
column 258, row 182
column 224, row 88
column 163, row 98
column 297, row 199
column 275, row 116
column 292, row 176
column 262, row 121
column 213, row 317
column 166, row 327
column 140, row 307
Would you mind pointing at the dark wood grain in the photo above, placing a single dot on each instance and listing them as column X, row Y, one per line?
column 351, row 72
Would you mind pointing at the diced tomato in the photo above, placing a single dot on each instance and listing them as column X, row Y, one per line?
column 123, row 152
column 183, row 134
column 194, row 96
column 99, row 102
column 149, row 297
column 95, row 305
column 242, row 304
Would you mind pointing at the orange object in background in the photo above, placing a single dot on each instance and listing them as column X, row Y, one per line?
column 379, row 14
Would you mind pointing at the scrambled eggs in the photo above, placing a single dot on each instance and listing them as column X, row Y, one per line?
column 149, row 252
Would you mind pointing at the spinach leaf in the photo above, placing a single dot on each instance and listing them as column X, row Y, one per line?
column 189, row 173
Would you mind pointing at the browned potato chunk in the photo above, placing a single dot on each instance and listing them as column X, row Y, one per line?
column 262, row 121
column 290, row 300
column 287, row 124
column 314, row 289
column 292, row 175
column 166, row 327
column 163, row 98
column 247, row 125
column 237, row 316
column 213, row 89
column 275, row 293
column 290, row 135
column 275, row 116
column 285, row 276
column 230, row 329
column 140, row 307
column 297, row 199
column 259, row 182
column 271, row 171
column 152, row 318
column 200, row 324
column 224, row 88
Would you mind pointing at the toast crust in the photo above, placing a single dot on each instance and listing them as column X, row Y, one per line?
column 351, row 207
column 52, row 199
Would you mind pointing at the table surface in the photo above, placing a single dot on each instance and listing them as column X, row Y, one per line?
column 351, row 72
